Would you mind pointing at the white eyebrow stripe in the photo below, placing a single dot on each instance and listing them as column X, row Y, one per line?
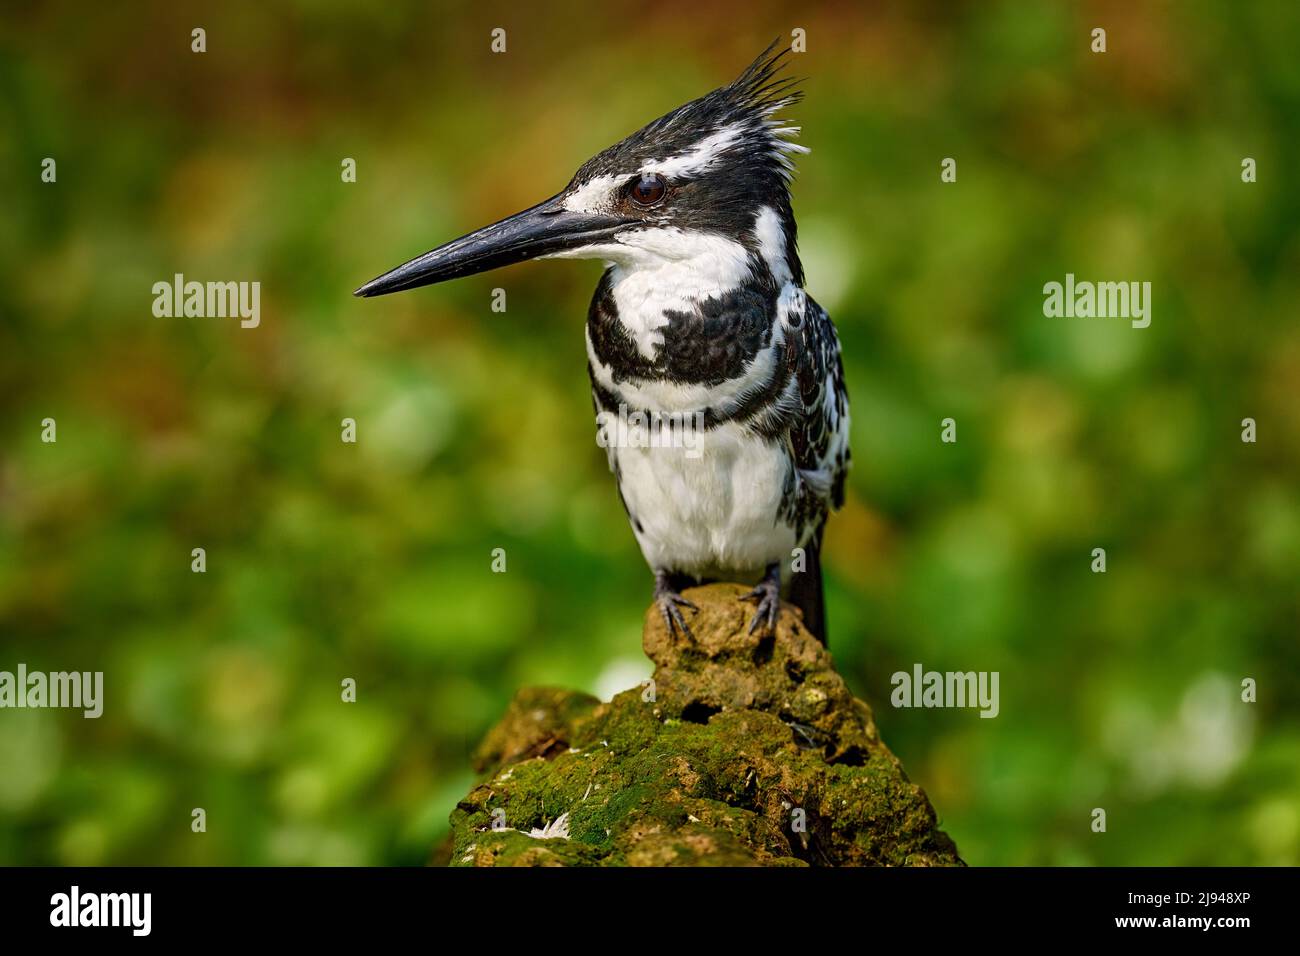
column 594, row 196
column 599, row 194
column 700, row 156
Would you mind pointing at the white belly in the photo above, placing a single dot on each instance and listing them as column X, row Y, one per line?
column 714, row 514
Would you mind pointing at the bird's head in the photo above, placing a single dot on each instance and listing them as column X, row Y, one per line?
column 710, row 178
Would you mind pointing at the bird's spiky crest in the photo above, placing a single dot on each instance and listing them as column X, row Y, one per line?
column 764, row 92
column 749, row 105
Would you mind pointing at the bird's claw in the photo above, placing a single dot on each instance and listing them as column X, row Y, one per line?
column 670, row 603
column 768, row 596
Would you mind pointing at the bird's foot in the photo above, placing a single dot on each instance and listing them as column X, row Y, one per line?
column 768, row 596
column 670, row 603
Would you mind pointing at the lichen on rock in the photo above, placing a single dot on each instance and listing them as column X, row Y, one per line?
column 744, row 750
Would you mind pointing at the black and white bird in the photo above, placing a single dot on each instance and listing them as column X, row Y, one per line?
column 701, row 328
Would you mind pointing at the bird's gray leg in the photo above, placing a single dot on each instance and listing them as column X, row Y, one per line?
column 670, row 603
column 768, row 596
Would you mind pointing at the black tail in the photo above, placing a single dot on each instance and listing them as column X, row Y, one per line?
column 806, row 591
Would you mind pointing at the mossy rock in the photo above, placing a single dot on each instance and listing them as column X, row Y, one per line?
column 746, row 750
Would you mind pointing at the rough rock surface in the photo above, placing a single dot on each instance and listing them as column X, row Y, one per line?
column 744, row 750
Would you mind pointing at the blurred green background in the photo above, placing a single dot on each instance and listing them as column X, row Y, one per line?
column 372, row 561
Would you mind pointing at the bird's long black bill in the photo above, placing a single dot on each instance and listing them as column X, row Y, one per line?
column 545, row 229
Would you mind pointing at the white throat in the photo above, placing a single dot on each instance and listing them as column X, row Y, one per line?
column 666, row 269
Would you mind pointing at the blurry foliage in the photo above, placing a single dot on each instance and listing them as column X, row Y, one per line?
column 371, row 561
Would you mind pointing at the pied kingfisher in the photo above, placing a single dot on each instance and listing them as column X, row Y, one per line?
column 700, row 318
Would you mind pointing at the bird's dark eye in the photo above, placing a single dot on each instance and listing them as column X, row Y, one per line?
column 648, row 189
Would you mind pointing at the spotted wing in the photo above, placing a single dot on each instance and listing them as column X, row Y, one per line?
column 819, row 436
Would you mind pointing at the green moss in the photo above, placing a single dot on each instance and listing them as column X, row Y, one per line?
column 749, row 751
